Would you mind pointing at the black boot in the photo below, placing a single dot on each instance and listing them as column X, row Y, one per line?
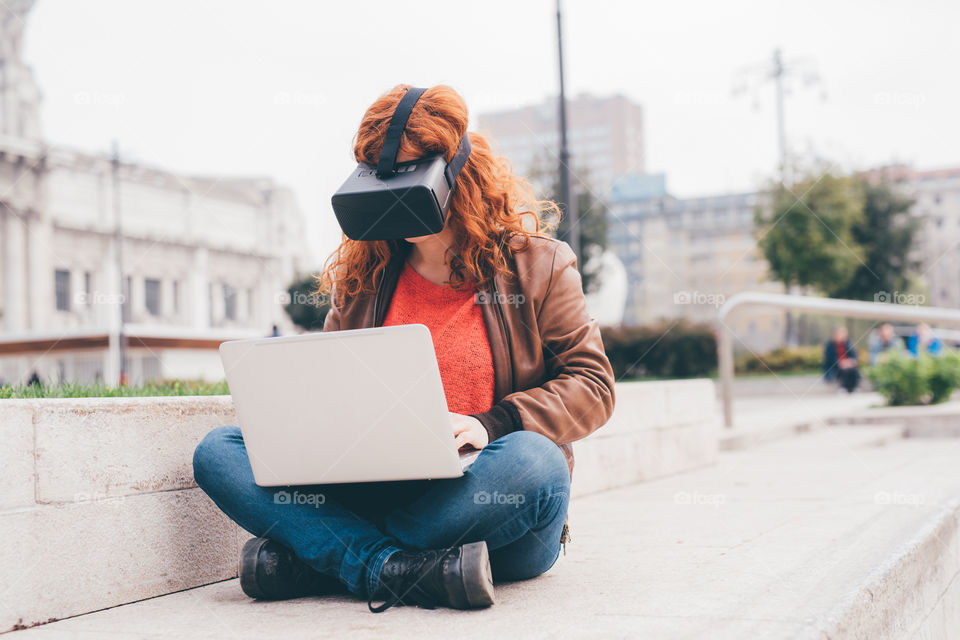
column 270, row 571
column 459, row 578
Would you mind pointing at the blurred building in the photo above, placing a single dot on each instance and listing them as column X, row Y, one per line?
column 685, row 257
column 682, row 258
column 203, row 259
column 936, row 195
column 605, row 137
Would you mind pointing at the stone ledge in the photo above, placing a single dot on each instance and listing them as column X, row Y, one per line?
column 67, row 559
column 96, row 479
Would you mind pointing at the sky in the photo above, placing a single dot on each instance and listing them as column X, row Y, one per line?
column 278, row 88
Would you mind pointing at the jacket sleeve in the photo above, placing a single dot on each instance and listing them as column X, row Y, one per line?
column 577, row 396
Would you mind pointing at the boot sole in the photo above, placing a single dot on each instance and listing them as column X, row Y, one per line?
column 476, row 575
column 248, row 567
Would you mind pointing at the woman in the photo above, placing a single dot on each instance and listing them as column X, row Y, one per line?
column 523, row 370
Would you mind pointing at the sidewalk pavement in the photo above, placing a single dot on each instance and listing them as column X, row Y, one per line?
column 843, row 532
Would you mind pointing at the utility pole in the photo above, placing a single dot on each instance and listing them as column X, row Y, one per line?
column 568, row 208
column 751, row 78
column 777, row 74
column 121, row 340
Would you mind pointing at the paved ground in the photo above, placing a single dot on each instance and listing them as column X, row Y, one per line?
column 776, row 541
column 759, row 418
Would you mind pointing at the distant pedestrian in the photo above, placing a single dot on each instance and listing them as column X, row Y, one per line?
column 885, row 340
column 840, row 360
column 923, row 341
column 34, row 380
column 275, row 331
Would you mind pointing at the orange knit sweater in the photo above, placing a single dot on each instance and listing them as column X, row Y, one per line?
column 459, row 337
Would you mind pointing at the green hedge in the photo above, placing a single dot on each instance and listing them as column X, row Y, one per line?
column 783, row 359
column 663, row 350
column 903, row 380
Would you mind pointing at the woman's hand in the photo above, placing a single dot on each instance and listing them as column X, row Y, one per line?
column 467, row 430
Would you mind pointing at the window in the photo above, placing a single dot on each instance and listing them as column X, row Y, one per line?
column 88, row 288
column 229, row 302
column 176, row 297
column 61, row 281
column 151, row 296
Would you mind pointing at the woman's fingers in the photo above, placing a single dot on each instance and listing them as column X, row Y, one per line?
column 462, row 439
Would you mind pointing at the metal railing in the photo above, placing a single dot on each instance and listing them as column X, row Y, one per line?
column 827, row 306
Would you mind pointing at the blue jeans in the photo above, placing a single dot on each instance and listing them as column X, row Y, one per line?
column 514, row 496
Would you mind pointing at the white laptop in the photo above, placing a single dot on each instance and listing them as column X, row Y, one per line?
column 359, row 405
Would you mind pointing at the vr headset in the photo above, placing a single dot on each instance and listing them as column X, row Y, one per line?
column 399, row 200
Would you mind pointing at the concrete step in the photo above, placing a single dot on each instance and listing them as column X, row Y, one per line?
column 758, row 420
column 935, row 421
column 99, row 507
column 826, row 535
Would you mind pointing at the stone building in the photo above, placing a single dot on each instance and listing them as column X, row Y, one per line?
column 88, row 245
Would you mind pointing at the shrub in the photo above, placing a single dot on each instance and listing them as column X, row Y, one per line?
column 944, row 377
column 904, row 380
column 782, row 359
column 901, row 379
column 662, row 350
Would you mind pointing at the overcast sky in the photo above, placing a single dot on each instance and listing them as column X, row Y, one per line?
column 278, row 88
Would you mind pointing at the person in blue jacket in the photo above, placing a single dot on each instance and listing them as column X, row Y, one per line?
column 924, row 339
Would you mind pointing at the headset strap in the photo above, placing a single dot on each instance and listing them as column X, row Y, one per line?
column 457, row 161
column 387, row 163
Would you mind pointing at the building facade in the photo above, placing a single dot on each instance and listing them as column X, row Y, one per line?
column 88, row 244
column 685, row 257
column 605, row 138
column 936, row 207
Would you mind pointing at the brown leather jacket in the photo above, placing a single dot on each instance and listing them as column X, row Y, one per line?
column 551, row 374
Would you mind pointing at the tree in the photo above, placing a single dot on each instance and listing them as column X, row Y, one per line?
column 807, row 236
column 886, row 235
column 306, row 308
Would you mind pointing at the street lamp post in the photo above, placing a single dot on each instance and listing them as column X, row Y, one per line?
column 120, row 336
column 568, row 207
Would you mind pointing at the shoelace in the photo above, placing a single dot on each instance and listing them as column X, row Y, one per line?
column 406, row 589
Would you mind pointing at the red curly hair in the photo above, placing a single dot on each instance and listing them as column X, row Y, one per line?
column 490, row 205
